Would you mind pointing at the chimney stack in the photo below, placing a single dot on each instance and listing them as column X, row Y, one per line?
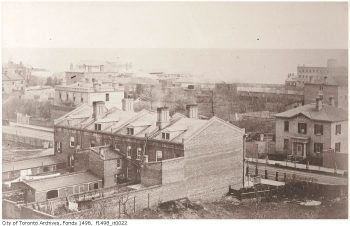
column 163, row 117
column 192, row 111
column 99, row 109
column 332, row 101
column 128, row 104
column 319, row 104
column 96, row 86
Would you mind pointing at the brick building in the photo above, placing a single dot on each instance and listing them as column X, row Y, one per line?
column 332, row 88
column 312, row 74
column 308, row 131
column 144, row 138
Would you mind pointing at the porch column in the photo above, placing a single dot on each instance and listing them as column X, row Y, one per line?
column 304, row 151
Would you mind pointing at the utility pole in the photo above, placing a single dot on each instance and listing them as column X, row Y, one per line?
column 212, row 102
column 244, row 147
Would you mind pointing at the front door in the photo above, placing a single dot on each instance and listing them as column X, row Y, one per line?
column 298, row 149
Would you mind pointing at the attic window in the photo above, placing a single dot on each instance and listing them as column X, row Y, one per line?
column 119, row 163
column 130, row 131
column 166, row 136
column 98, row 126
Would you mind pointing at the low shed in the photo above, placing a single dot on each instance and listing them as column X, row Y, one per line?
column 61, row 186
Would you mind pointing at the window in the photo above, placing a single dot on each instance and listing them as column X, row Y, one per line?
column 321, row 88
column 302, row 128
column 138, row 154
column 286, row 144
column 98, row 126
column 96, row 185
column 52, row 194
column 46, row 169
column 318, row 129
column 337, row 147
column 145, row 158
column 67, row 96
column 82, row 100
column 92, row 143
column 72, row 144
column 119, row 163
column 130, row 131
column 107, row 96
column 165, row 136
column 60, row 96
column 128, row 152
column 286, row 126
column 318, row 147
column 58, row 147
column 159, row 156
column 337, row 129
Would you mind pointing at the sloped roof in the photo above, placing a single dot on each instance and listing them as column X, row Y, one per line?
column 62, row 181
column 30, row 163
column 327, row 113
column 11, row 76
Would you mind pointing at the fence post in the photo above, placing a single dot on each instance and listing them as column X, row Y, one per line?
column 134, row 203
column 285, row 177
column 276, row 176
column 266, row 174
column 119, row 208
column 148, row 200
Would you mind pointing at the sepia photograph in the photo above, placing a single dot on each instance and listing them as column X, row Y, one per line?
column 125, row 110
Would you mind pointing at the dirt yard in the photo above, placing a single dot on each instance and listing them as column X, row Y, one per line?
column 231, row 208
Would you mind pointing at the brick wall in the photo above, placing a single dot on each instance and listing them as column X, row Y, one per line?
column 108, row 208
column 213, row 161
column 84, row 138
column 151, row 174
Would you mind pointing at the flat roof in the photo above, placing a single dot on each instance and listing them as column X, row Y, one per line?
column 30, row 163
column 62, row 181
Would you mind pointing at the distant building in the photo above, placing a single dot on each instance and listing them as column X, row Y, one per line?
column 12, row 82
column 330, row 89
column 310, row 130
column 307, row 74
column 39, row 93
column 102, row 71
column 86, row 93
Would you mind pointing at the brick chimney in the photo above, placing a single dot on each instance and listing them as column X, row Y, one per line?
column 192, row 111
column 128, row 104
column 99, row 109
column 163, row 117
column 319, row 104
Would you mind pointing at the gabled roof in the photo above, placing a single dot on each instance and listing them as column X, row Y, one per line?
column 11, row 76
column 327, row 113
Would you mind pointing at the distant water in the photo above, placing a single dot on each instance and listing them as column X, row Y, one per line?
column 230, row 65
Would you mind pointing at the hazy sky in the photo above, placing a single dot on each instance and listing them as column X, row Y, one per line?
column 175, row 25
column 60, row 33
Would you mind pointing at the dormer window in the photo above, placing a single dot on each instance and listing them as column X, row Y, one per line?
column 98, row 126
column 166, row 136
column 130, row 131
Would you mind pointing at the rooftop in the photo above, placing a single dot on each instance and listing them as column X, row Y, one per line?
column 62, row 181
column 31, row 163
column 327, row 113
